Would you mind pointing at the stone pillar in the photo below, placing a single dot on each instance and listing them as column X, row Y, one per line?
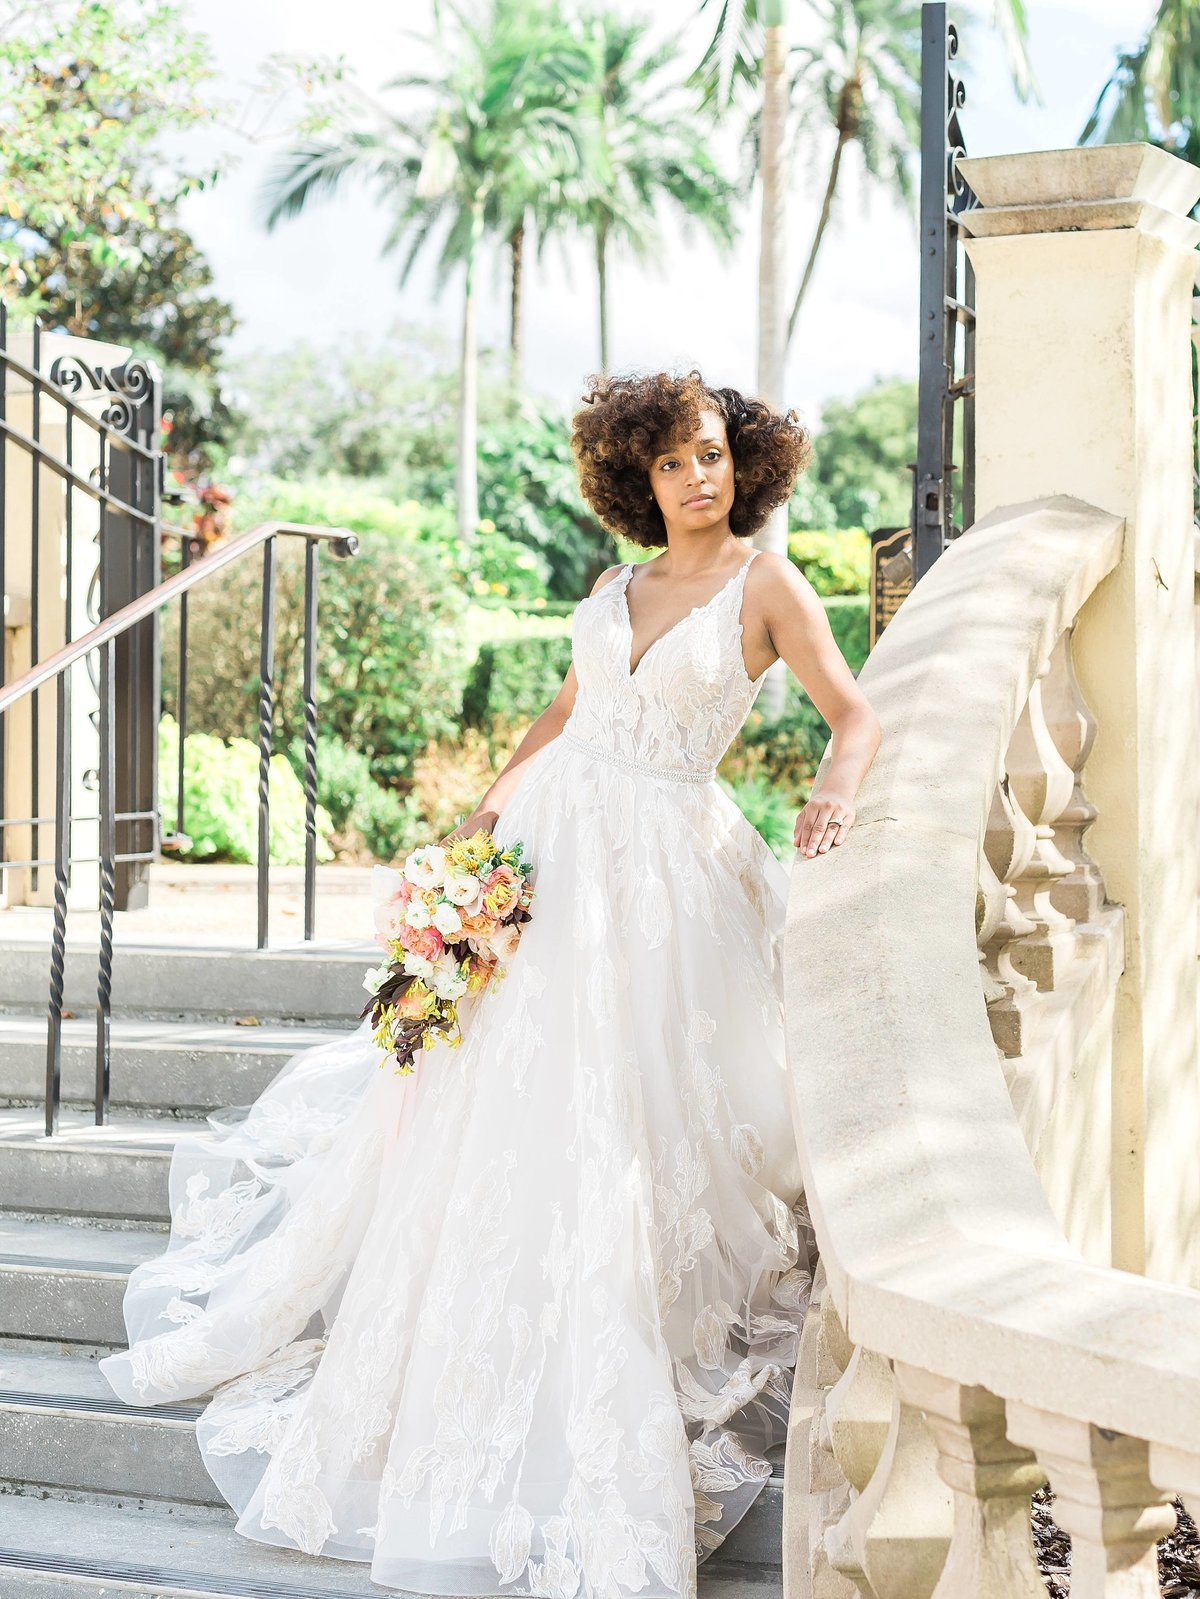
column 1084, row 263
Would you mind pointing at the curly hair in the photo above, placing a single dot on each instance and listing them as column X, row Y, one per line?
column 625, row 422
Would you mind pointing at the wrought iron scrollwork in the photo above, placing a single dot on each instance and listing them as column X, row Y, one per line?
column 947, row 315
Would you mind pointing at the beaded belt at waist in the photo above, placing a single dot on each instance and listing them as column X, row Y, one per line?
column 630, row 763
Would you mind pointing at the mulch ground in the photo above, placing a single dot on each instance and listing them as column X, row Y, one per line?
column 1178, row 1555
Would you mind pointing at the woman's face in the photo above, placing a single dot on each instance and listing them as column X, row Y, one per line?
column 693, row 483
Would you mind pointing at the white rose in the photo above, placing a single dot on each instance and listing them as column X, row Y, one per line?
column 504, row 941
column 446, row 981
column 375, row 978
column 417, row 965
column 462, row 890
column 447, row 920
column 417, row 914
column 426, row 866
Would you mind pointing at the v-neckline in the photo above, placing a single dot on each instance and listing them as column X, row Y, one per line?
column 631, row 671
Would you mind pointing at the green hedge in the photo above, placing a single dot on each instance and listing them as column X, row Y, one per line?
column 514, row 680
column 848, row 617
column 220, row 799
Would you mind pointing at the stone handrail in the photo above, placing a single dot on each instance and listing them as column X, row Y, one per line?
column 958, row 1328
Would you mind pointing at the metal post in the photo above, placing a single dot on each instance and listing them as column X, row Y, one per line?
column 310, row 739
column 108, row 849
column 266, row 706
column 62, row 866
column 927, row 510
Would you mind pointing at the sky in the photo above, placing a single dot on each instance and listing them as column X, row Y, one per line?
column 324, row 277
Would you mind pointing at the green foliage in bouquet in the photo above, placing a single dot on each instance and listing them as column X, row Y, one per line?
column 220, row 799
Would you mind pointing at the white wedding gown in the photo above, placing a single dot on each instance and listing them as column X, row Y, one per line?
column 524, row 1321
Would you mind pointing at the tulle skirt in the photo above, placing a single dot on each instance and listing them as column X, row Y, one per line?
column 524, row 1320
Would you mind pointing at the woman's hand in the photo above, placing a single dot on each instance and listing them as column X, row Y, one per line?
column 477, row 821
column 823, row 822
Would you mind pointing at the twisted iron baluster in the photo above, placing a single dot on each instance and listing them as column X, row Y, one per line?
column 266, row 706
column 58, row 942
column 310, row 738
column 108, row 879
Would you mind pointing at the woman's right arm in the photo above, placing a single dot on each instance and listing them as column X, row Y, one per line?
column 540, row 732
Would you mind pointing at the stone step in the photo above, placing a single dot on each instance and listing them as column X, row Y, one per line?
column 318, row 982
column 62, row 1428
column 57, row 1548
column 157, row 1065
column 118, row 1171
column 63, row 1283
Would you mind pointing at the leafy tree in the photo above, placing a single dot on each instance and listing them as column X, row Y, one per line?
column 154, row 294
column 861, row 454
column 89, row 90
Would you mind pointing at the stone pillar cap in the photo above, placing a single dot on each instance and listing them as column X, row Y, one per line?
column 1088, row 173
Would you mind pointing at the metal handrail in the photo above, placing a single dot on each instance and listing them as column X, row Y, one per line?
column 344, row 543
column 102, row 637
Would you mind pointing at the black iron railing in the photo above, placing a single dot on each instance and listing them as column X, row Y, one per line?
column 947, row 355
column 105, row 455
column 103, row 641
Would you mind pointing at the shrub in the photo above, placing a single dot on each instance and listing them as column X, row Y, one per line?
column 767, row 808
column 849, row 618
column 834, row 563
column 391, row 654
column 513, row 680
column 386, row 823
column 220, row 799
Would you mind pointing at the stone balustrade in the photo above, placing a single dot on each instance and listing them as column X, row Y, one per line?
column 968, row 1340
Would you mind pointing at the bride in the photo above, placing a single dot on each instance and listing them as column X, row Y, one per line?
column 524, row 1321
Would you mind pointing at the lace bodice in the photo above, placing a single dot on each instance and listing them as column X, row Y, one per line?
column 686, row 701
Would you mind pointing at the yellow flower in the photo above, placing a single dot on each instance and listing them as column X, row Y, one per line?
column 468, row 855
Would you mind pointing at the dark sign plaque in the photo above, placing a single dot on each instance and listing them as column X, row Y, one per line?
column 891, row 575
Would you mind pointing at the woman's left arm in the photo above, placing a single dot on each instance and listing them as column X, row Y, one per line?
column 793, row 625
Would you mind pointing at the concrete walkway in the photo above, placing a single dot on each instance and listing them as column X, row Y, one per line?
column 217, row 905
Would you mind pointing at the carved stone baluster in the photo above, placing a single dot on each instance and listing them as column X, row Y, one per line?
column 993, row 1480
column 859, row 1413
column 816, row 1491
column 1042, row 783
column 1177, row 1471
column 1073, row 728
column 900, row 1524
column 1104, row 1499
column 1008, row 847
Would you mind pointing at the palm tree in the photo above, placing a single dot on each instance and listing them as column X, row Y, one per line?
column 1153, row 92
column 502, row 123
column 650, row 148
column 861, row 78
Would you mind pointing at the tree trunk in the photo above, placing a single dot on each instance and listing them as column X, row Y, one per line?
column 601, row 241
column 466, row 470
column 772, row 334
column 818, row 236
column 516, row 331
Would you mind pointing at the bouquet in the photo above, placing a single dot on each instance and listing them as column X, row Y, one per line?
column 449, row 922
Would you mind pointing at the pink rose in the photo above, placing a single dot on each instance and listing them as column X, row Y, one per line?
column 426, row 941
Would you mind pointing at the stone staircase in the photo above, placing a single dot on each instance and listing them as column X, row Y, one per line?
column 96, row 1498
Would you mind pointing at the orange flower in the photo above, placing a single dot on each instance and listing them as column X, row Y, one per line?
column 501, row 888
